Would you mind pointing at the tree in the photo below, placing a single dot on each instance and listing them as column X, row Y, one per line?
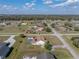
column 48, row 29
column 76, row 28
column 44, row 24
column 48, row 46
column 75, row 41
column 22, row 35
column 68, row 24
column 53, row 25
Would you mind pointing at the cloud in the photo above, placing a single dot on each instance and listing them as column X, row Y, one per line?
column 7, row 7
column 65, row 3
column 29, row 5
column 47, row 1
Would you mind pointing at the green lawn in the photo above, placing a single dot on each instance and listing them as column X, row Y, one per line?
column 15, row 50
column 21, row 48
column 22, row 28
column 3, row 38
column 68, row 39
column 53, row 40
column 62, row 54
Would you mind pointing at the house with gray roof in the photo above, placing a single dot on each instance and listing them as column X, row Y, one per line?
column 4, row 50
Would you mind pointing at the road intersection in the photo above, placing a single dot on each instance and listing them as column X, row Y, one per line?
column 54, row 33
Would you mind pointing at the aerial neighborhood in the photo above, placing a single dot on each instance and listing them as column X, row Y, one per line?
column 39, row 37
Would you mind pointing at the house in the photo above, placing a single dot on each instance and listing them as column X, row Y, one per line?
column 41, row 56
column 4, row 50
column 40, row 43
column 38, row 28
column 36, row 40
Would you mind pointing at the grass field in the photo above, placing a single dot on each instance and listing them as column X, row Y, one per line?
column 15, row 50
column 52, row 39
column 68, row 39
column 23, row 28
column 62, row 54
column 21, row 47
column 3, row 38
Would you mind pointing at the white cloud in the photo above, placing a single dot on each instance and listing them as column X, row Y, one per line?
column 65, row 3
column 7, row 7
column 47, row 1
column 29, row 5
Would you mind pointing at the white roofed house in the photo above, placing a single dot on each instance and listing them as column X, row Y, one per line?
column 36, row 41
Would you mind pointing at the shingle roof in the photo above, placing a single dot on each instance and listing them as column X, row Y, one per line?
column 4, row 49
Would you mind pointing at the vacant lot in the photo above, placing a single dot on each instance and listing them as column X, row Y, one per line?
column 22, row 48
column 52, row 39
column 3, row 38
column 62, row 54
column 30, row 27
column 68, row 39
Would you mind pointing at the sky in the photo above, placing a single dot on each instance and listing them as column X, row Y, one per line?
column 53, row 7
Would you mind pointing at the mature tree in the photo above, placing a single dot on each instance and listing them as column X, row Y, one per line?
column 48, row 46
column 48, row 29
column 76, row 28
column 75, row 41
column 53, row 25
column 22, row 35
column 44, row 24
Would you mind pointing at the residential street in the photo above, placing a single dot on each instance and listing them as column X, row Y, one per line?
column 58, row 35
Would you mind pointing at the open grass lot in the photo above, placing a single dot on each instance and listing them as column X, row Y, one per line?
column 22, row 48
column 15, row 51
column 52, row 39
column 70, row 32
column 68, row 39
column 3, row 38
column 26, row 50
column 12, row 29
column 25, row 27
column 62, row 54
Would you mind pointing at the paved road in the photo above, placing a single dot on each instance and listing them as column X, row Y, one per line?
column 6, row 34
column 71, row 50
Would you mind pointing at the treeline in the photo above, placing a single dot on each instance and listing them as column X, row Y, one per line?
column 37, row 17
